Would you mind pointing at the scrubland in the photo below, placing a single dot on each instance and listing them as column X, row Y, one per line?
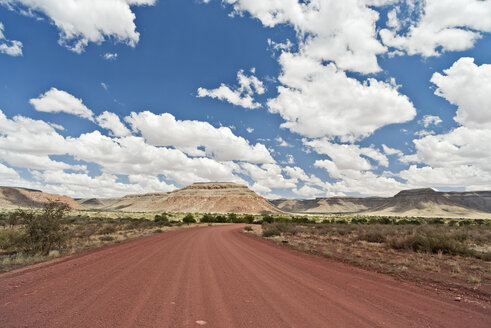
column 452, row 253
column 31, row 236
column 455, row 254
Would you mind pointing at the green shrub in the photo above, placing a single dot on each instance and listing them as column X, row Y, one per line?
column 207, row 218
column 161, row 219
column 248, row 229
column 11, row 240
column 341, row 221
column 431, row 243
column 436, row 221
column 268, row 219
column 375, row 236
column 249, row 219
column 106, row 238
column 302, row 220
column 359, row 220
column 188, row 219
column 233, row 218
column 270, row 232
column 45, row 231
column 107, row 229
column 385, row 220
column 14, row 218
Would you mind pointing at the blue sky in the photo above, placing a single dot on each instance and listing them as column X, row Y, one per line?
column 294, row 98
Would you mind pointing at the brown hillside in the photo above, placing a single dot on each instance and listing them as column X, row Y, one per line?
column 425, row 203
column 477, row 200
column 328, row 204
column 13, row 197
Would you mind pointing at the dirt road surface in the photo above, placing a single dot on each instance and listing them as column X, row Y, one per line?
column 218, row 277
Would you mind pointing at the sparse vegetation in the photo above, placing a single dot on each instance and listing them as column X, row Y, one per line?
column 454, row 251
column 36, row 235
column 161, row 219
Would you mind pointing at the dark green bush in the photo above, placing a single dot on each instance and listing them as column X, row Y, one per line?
column 161, row 219
column 45, row 231
column 270, row 232
column 248, row 229
column 385, row 220
column 302, row 220
column 249, row 219
column 106, row 238
column 359, row 220
column 436, row 221
column 207, row 218
column 188, row 219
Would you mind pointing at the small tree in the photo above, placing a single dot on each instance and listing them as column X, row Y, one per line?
column 249, row 218
column 189, row 218
column 14, row 218
column 45, row 231
column 161, row 219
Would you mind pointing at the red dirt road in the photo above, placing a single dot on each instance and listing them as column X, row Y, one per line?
column 218, row 277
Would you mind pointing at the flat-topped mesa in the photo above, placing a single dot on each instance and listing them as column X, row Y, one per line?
column 214, row 189
column 150, row 194
column 202, row 197
column 417, row 192
column 215, row 185
column 218, row 197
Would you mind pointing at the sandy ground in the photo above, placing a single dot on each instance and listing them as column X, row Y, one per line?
column 218, row 277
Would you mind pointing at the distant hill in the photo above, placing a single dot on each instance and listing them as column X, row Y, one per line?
column 213, row 197
column 328, row 204
column 227, row 197
column 16, row 197
column 476, row 200
column 424, row 202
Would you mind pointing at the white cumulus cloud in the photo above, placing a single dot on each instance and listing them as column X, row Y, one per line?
column 82, row 21
column 440, row 25
column 468, row 86
column 197, row 138
column 319, row 100
column 9, row 47
column 238, row 96
column 111, row 121
column 330, row 30
column 56, row 101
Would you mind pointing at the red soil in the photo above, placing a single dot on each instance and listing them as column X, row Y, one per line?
column 218, row 277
